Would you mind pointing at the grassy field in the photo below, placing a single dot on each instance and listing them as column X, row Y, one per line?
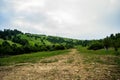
column 100, row 56
column 32, row 57
column 79, row 64
column 84, row 50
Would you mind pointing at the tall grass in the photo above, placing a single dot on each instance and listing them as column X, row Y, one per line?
column 33, row 57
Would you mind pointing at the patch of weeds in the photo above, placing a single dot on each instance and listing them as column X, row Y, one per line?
column 89, row 77
column 87, row 69
column 108, row 60
column 98, row 60
column 117, row 61
column 87, row 60
column 53, row 71
column 49, row 61
column 69, row 60
column 102, row 60
column 78, row 62
column 117, row 53
column 77, row 77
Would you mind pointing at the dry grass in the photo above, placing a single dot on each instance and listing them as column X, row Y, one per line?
column 61, row 67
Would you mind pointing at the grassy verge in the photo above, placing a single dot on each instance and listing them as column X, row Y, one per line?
column 99, row 56
column 96, row 52
column 33, row 57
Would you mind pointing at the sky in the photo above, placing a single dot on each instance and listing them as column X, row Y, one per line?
column 79, row 19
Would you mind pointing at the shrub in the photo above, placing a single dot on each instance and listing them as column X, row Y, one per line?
column 96, row 46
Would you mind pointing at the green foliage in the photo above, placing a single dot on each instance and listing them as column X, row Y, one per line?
column 96, row 46
column 86, row 43
column 21, row 43
column 7, row 33
column 1, row 41
column 84, row 50
column 5, row 48
column 107, row 42
column 58, row 47
column 113, row 41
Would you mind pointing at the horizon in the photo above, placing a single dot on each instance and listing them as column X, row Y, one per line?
column 76, row 19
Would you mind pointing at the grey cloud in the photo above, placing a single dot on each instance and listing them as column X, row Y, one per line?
column 70, row 18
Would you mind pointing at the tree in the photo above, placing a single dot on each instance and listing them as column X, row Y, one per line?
column 115, row 41
column 6, row 49
column 107, row 42
column 14, row 48
column 59, row 47
column 112, row 41
column 5, row 43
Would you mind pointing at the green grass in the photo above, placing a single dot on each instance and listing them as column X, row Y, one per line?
column 32, row 57
column 99, row 56
column 96, row 52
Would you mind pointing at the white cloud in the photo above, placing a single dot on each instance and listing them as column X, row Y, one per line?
column 68, row 18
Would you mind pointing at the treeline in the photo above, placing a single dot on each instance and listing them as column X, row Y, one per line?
column 7, row 48
column 112, row 41
column 7, row 34
column 27, row 43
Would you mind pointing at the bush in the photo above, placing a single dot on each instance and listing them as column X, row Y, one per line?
column 96, row 46
column 59, row 47
column 5, row 49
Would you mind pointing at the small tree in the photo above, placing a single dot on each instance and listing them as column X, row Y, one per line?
column 107, row 43
column 6, row 49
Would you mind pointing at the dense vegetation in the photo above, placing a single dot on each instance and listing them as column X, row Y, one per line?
column 14, row 42
column 112, row 41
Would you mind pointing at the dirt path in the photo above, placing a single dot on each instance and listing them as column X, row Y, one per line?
column 62, row 67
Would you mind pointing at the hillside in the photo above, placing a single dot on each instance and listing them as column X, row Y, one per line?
column 17, row 42
column 40, row 57
column 14, row 42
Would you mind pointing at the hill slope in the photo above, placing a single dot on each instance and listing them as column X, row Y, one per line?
column 13, row 42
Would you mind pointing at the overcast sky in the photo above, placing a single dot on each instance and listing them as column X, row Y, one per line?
column 81, row 19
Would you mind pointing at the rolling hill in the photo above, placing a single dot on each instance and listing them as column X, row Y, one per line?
column 14, row 42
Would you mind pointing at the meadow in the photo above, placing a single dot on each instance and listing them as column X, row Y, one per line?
column 29, row 58
column 100, row 56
